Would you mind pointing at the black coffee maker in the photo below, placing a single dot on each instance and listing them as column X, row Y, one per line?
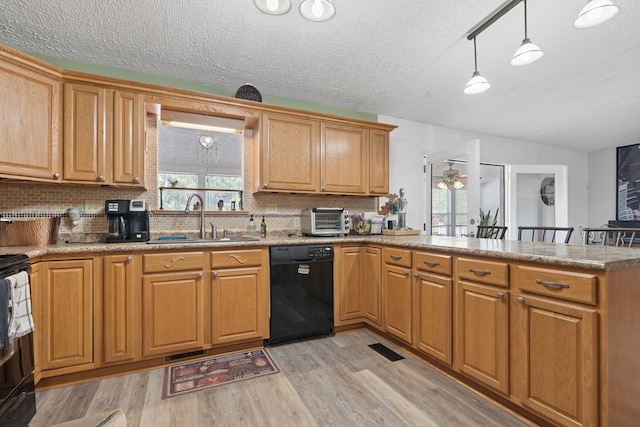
column 127, row 221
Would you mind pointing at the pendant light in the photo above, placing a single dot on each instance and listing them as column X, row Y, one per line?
column 317, row 10
column 528, row 52
column 595, row 13
column 273, row 7
column 477, row 84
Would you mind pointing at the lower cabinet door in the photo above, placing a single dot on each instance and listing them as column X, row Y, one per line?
column 66, row 313
column 398, row 294
column 482, row 334
column 121, row 342
column 556, row 354
column 239, row 305
column 434, row 332
column 172, row 313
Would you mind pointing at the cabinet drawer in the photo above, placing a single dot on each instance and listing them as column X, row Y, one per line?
column 178, row 261
column 489, row 272
column 433, row 263
column 395, row 256
column 573, row 286
column 236, row 258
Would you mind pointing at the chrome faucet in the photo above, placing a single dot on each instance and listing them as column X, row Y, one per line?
column 186, row 210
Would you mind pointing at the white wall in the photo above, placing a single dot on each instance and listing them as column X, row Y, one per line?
column 602, row 186
column 411, row 140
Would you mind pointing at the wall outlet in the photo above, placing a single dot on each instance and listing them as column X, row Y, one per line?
column 296, row 222
column 272, row 208
column 93, row 207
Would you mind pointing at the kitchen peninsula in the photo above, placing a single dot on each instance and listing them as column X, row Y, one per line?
column 548, row 329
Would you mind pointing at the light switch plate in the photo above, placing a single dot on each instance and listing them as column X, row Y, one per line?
column 93, row 207
column 272, row 208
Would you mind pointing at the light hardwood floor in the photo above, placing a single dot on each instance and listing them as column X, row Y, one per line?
column 333, row 381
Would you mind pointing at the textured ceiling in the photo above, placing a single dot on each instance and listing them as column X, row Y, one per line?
column 406, row 59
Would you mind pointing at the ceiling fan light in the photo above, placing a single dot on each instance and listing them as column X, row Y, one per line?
column 477, row 84
column 595, row 13
column 273, row 7
column 527, row 53
column 442, row 185
column 317, row 10
column 458, row 184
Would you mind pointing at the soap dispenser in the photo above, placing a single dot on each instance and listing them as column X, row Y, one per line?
column 251, row 228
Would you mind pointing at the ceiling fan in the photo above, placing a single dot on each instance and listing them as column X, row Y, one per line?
column 450, row 178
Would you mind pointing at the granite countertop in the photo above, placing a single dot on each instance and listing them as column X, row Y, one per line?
column 572, row 255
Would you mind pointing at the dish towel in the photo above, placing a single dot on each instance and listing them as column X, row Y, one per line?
column 4, row 313
column 21, row 317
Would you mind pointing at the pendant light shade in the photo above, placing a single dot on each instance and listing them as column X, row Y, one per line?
column 317, row 10
column 273, row 7
column 526, row 54
column 595, row 13
column 477, row 84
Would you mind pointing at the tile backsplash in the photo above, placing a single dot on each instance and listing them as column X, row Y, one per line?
column 282, row 211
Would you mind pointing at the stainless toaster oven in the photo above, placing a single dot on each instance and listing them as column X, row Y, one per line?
column 325, row 222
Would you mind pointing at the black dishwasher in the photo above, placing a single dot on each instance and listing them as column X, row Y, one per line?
column 301, row 286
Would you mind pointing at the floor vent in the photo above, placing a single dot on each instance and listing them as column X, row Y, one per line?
column 184, row 355
column 386, row 352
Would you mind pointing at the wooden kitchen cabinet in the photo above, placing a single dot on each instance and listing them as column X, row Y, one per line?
column 373, row 285
column 31, row 99
column 66, row 310
column 289, row 154
column 352, row 282
column 318, row 155
column 239, row 295
column 378, row 162
column 397, row 285
column 344, row 159
column 433, row 304
column 173, row 303
column 555, row 345
column 103, row 135
column 121, row 309
column 481, row 345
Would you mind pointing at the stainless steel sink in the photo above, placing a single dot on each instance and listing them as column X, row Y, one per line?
column 218, row 240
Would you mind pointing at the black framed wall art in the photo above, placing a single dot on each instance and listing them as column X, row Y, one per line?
column 628, row 183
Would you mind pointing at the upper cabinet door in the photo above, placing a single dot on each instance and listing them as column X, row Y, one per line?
column 290, row 151
column 344, row 160
column 86, row 133
column 30, row 118
column 128, row 138
column 378, row 162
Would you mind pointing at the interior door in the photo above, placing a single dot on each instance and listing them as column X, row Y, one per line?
column 537, row 195
column 452, row 211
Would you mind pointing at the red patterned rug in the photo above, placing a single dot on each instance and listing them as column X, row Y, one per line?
column 216, row 370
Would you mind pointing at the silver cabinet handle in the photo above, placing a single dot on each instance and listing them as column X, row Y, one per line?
column 214, row 274
column 200, row 275
column 416, row 275
column 100, row 178
column 431, row 263
column 56, row 175
column 324, row 188
column 552, row 284
column 406, row 273
column 136, row 180
column 396, row 257
column 372, row 190
column 520, row 300
column 500, row 295
column 479, row 272
column 265, row 185
column 129, row 259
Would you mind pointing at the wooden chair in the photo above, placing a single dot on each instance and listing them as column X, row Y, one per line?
column 543, row 234
column 610, row 236
column 491, row 231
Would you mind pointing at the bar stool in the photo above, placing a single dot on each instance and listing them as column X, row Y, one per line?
column 543, row 234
